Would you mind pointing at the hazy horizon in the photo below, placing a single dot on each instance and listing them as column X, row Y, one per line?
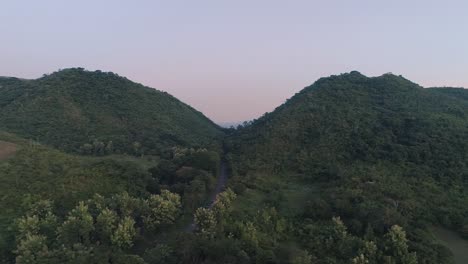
column 234, row 61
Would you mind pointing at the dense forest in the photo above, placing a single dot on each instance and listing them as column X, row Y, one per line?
column 376, row 152
column 352, row 170
column 99, row 113
column 41, row 188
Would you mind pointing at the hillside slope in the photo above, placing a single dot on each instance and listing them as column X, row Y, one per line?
column 377, row 152
column 100, row 113
column 33, row 174
column 459, row 93
column 351, row 117
column 37, row 172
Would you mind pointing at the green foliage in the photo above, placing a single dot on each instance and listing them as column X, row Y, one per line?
column 32, row 249
column 162, row 209
column 303, row 257
column 36, row 173
column 396, row 245
column 39, row 173
column 160, row 254
column 106, row 222
column 95, row 231
column 371, row 150
column 77, row 227
column 99, row 113
column 124, row 234
column 190, row 173
column 223, row 203
column 206, row 222
column 341, row 173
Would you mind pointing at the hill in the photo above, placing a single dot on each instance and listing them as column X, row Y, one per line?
column 379, row 153
column 351, row 169
column 100, row 113
column 356, row 117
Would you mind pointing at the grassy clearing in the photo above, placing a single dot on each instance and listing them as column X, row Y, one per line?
column 145, row 162
column 454, row 242
column 286, row 193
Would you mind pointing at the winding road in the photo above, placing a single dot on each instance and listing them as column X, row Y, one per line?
column 220, row 184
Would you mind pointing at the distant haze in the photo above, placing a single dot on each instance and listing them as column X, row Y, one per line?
column 235, row 60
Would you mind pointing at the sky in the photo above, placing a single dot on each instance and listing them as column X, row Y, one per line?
column 234, row 60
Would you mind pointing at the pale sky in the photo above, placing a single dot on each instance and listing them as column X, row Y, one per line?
column 237, row 59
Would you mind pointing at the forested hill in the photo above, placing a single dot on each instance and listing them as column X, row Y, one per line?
column 351, row 117
column 100, row 113
column 380, row 153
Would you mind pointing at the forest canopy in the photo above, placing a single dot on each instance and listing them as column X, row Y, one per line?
column 100, row 113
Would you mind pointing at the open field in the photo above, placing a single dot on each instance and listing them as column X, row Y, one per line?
column 454, row 242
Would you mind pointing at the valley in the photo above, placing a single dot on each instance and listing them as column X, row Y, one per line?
column 95, row 168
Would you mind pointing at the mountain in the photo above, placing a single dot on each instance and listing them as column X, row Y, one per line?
column 379, row 153
column 352, row 117
column 351, row 169
column 100, row 113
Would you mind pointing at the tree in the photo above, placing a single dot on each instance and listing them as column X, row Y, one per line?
column 39, row 219
column 205, row 222
column 222, row 205
column 124, row 234
column 127, row 205
column 339, row 229
column 397, row 248
column 106, row 223
column 303, row 257
column 77, row 227
column 32, row 249
column 28, row 225
column 194, row 194
column 360, row 259
column 270, row 221
column 249, row 233
column 162, row 253
column 76, row 254
column 162, row 209
column 368, row 252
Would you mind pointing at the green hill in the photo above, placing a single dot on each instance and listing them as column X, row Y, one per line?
column 141, row 141
column 352, row 117
column 100, row 113
column 376, row 152
column 351, row 170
